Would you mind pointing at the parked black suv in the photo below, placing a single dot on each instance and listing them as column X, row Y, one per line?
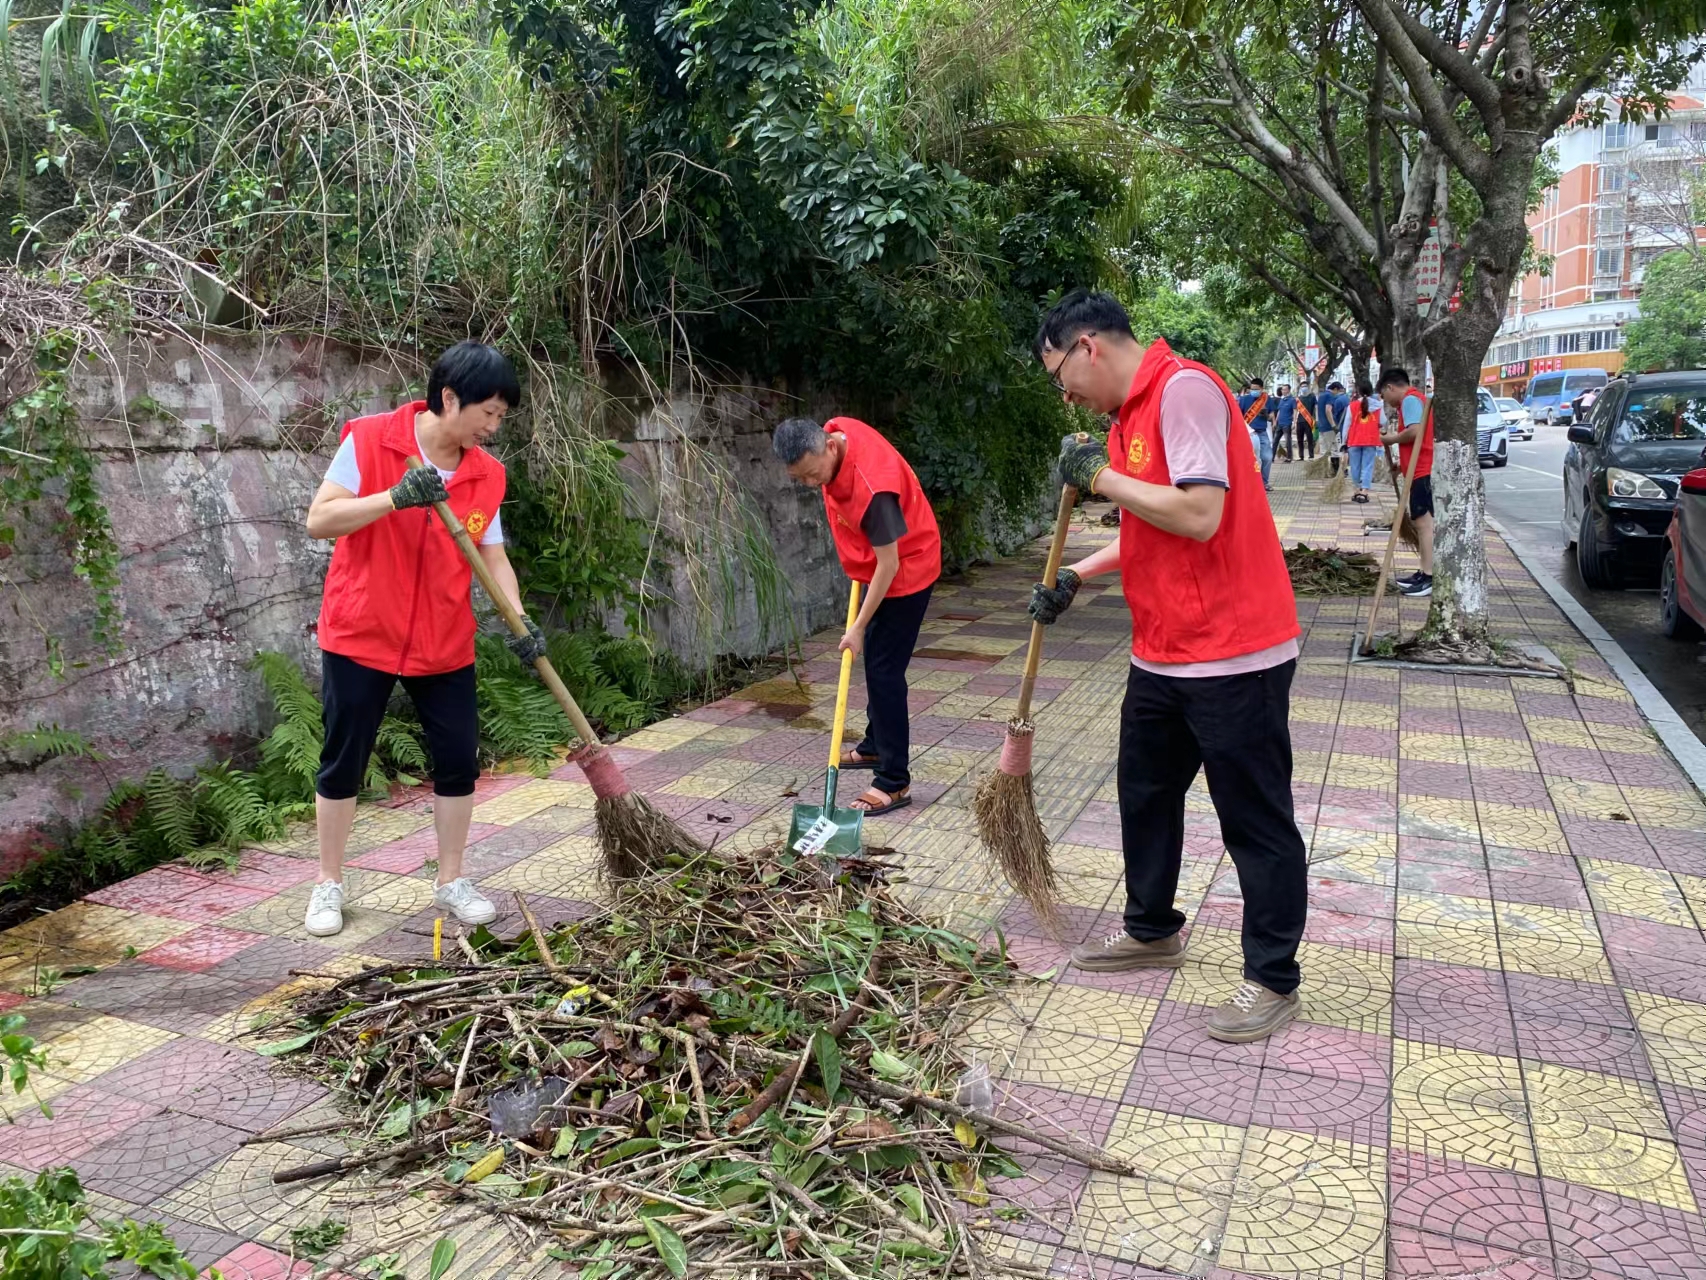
column 1621, row 472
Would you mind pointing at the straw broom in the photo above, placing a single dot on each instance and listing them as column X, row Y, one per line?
column 1005, row 809
column 632, row 836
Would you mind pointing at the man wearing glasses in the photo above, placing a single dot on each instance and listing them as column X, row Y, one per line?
column 1214, row 648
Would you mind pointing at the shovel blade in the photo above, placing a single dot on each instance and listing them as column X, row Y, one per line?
column 832, row 831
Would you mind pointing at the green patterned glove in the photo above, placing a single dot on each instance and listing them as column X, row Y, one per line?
column 1048, row 603
column 1080, row 462
column 530, row 647
column 419, row 487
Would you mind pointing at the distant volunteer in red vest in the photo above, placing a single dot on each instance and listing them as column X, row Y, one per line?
column 1213, row 652
column 397, row 605
column 886, row 537
column 1410, row 408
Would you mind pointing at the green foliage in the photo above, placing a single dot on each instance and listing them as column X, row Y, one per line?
column 48, row 742
column 311, row 1240
column 41, row 453
column 21, row 1056
column 1670, row 332
column 53, row 1234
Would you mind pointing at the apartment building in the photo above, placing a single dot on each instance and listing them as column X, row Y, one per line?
column 1620, row 201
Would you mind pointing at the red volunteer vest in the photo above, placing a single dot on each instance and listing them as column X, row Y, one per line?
column 1196, row 601
column 871, row 465
column 1424, row 464
column 398, row 593
column 1365, row 426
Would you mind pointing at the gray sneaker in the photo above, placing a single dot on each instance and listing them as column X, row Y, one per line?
column 1120, row 951
column 1252, row 1013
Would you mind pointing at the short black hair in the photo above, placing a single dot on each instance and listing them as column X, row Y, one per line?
column 475, row 372
column 1257, row 382
column 1080, row 312
column 1393, row 376
column 1335, row 385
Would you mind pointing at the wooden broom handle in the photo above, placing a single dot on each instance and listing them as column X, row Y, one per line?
column 1397, row 520
column 1056, row 551
column 511, row 618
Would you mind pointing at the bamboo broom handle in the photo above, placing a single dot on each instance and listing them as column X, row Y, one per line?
column 511, row 618
column 845, row 678
column 1056, row 552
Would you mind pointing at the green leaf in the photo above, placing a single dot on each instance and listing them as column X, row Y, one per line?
column 828, row 1056
column 671, row 1249
column 443, row 1254
column 913, row 1200
column 280, row 1047
column 890, row 1067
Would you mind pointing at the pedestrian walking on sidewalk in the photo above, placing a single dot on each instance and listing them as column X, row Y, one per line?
column 1307, row 425
column 886, row 537
column 1214, row 648
column 1362, row 440
column 397, row 607
column 1331, row 412
column 1285, row 418
column 1414, row 430
column 1258, row 413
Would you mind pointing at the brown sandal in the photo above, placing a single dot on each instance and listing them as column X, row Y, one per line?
column 872, row 802
column 853, row 760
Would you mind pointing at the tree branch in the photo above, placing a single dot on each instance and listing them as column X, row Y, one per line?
column 1371, row 131
column 1393, row 29
column 1566, row 105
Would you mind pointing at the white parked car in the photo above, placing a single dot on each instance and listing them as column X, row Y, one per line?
column 1492, row 436
column 1517, row 421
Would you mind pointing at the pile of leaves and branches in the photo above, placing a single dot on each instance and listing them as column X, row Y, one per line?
column 746, row 1061
column 1328, row 571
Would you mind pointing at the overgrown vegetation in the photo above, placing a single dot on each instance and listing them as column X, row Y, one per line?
column 207, row 817
column 53, row 1233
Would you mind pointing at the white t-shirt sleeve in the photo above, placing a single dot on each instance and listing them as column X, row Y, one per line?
column 345, row 472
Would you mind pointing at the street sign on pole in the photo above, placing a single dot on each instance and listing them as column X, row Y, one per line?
column 1428, row 268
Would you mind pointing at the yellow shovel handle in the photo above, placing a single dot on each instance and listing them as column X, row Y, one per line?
column 841, row 688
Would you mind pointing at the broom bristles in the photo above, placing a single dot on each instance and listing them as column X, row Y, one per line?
column 1007, row 822
column 1334, row 489
column 1318, row 468
column 635, row 838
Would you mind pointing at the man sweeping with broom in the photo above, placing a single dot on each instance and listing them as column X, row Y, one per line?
column 1214, row 648
column 886, row 538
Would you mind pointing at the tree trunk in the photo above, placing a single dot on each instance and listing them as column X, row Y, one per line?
column 1359, row 369
column 1457, row 611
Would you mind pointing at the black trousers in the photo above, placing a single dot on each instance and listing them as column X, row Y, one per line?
column 355, row 698
column 889, row 641
column 1305, row 440
column 1236, row 728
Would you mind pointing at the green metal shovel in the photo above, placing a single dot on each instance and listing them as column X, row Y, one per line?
column 826, row 829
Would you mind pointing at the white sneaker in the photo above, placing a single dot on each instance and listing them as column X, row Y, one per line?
column 464, row 901
column 325, row 910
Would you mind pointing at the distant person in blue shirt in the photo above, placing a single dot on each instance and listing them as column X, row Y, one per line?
column 1285, row 417
column 1332, row 411
column 1258, row 411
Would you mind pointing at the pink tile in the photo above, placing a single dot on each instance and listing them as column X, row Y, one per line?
column 151, row 891
column 10, row 1000
column 1203, row 1088
column 211, row 901
column 256, row 1262
column 1449, row 1198
column 1314, row 1049
column 273, row 871
column 201, row 949
column 83, row 1117
column 1422, row 1255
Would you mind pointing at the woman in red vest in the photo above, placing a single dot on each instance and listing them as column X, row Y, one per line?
column 1362, row 441
column 397, row 606
column 886, row 537
column 1213, row 648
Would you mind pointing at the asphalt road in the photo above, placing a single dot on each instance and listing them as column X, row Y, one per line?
column 1527, row 497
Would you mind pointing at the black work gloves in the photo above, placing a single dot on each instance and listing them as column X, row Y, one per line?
column 530, row 647
column 1048, row 603
column 1079, row 463
column 418, row 488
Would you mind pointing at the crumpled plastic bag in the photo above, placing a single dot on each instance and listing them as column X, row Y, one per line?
column 518, row 1111
column 975, row 1091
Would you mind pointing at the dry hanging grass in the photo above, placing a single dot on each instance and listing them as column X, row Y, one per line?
column 747, row 1061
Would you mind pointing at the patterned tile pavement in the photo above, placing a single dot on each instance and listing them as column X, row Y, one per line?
column 1500, row 1070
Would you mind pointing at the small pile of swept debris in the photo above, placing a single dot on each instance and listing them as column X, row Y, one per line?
column 744, row 1066
column 1327, row 571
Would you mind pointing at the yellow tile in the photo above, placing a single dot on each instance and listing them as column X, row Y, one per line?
column 528, row 799
column 1647, row 892
column 1467, row 1106
column 384, row 891
column 259, row 1019
column 1173, row 1216
column 938, row 681
column 698, row 786
column 1473, row 699
column 672, row 733
column 1428, row 695
column 1615, row 1160
column 1446, row 910
column 1213, row 968
column 1667, row 808
column 1617, row 737
column 1443, row 748
column 1375, row 772
column 1587, row 799
column 281, row 916
column 1551, row 942
column 94, row 1047
column 1559, row 732
column 1519, row 827
column 1456, row 819
column 1674, row 1032
column 42, row 1087
column 731, row 735
column 1476, row 947
column 1567, row 1096
column 1499, row 753
column 1368, row 715
column 553, row 872
column 561, row 817
column 1315, row 710
column 1346, row 988
column 1306, row 1208
column 87, row 929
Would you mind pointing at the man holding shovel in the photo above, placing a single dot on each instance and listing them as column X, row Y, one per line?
column 397, row 606
column 1214, row 648
column 886, row 538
